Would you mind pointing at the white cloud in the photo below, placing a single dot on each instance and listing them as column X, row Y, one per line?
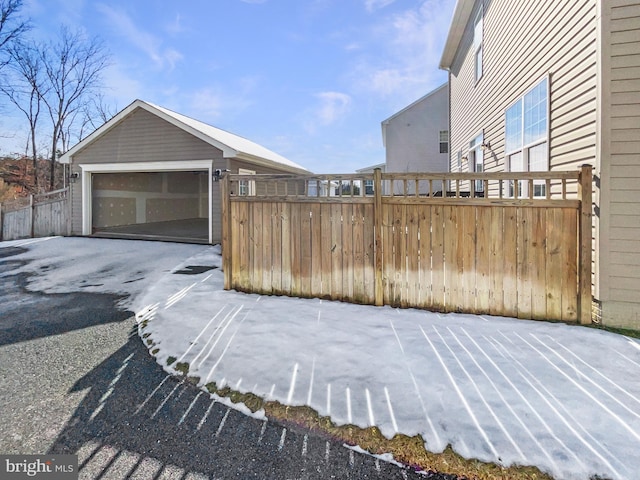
column 410, row 45
column 148, row 43
column 333, row 106
column 372, row 5
column 211, row 103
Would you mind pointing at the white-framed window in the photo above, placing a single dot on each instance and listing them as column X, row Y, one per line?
column 527, row 138
column 476, row 160
column 246, row 188
column 444, row 141
column 368, row 187
column 477, row 43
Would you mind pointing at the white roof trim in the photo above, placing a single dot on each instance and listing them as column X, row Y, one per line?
column 232, row 146
column 461, row 15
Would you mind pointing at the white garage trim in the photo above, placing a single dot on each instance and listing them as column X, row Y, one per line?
column 142, row 167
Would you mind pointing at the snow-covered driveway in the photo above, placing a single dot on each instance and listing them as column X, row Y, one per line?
column 563, row 398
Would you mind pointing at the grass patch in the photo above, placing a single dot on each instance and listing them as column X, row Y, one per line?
column 407, row 450
column 627, row 332
column 155, row 351
column 171, row 360
column 182, row 367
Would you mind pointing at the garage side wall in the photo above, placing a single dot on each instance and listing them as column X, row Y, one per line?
column 143, row 137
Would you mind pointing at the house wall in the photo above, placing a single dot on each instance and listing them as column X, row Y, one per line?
column 590, row 51
column 412, row 141
column 619, row 214
column 522, row 43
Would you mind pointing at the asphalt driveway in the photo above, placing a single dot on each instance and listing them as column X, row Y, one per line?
column 75, row 378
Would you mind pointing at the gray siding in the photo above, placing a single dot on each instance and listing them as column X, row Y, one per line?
column 412, row 140
column 522, row 43
column 620, row 242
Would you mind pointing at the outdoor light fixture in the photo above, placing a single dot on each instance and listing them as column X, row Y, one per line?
column 486, row 146
column 217, row 174
column 73, row 177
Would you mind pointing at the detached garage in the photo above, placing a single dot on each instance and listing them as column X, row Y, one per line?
column 149, row 173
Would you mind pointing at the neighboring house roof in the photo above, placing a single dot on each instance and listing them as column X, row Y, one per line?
column 461, row 14
column 371, row 168
column 408, row 107
column 232, row 146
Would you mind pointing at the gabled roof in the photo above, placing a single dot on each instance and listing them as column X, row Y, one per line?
column 461, row 15
column 384, row 123
column 232, row 146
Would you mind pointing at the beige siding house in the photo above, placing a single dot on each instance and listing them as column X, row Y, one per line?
column 150, row 172
column 555, row 85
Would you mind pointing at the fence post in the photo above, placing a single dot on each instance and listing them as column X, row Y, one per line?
column 32, row 208
column 226, row 231
column 585, row 187
column 377, row 215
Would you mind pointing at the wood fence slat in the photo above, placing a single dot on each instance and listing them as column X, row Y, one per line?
column 400, row 254
column 497, row 255
column 413, row 258
column 425, row 292
column 326, row 249
column 525, row 262
column 359, row 295
column 256, row 273
column 296, row 254
column 347, row 250
column 483, row 259
column 570, row 270
column 387, row 253
column 555, row 264
column 286, row 248
column 267, row 261
column 316, row 250
column 236, row 232
column 276, row 273
column 438, row 263
column 336, row 252
column 451, row 259
column 539, row 264
column 510, row 264
column 305, row 250
column 369, row 255
column 467, row 251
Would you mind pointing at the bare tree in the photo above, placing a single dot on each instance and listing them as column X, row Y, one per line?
column 12, row 26
column 73, row 67
column 25, row 90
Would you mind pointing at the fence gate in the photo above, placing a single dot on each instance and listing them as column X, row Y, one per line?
column 513, row 244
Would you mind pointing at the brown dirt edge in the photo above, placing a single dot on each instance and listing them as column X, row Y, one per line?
column 409, row 451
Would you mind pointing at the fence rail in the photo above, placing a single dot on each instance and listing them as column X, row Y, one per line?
column 512, row 243
column 38, row 215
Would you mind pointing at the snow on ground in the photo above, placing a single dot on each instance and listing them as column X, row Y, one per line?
column 563, row 398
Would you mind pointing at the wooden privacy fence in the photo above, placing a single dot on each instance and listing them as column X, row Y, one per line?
column 38, row 215
column 513, row 244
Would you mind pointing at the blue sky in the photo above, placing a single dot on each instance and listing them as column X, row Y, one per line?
column 309, row 79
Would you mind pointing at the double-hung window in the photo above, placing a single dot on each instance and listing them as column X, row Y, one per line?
column 444, row 141
column 246, row 188
column 526, row 138
column 477, row 43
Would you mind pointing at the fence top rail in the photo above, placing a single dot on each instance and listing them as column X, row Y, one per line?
column 551, row 175
column 53, row 192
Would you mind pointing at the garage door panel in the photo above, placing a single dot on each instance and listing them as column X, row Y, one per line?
column 165, row 209
column 113, row 211
column 128, row 182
